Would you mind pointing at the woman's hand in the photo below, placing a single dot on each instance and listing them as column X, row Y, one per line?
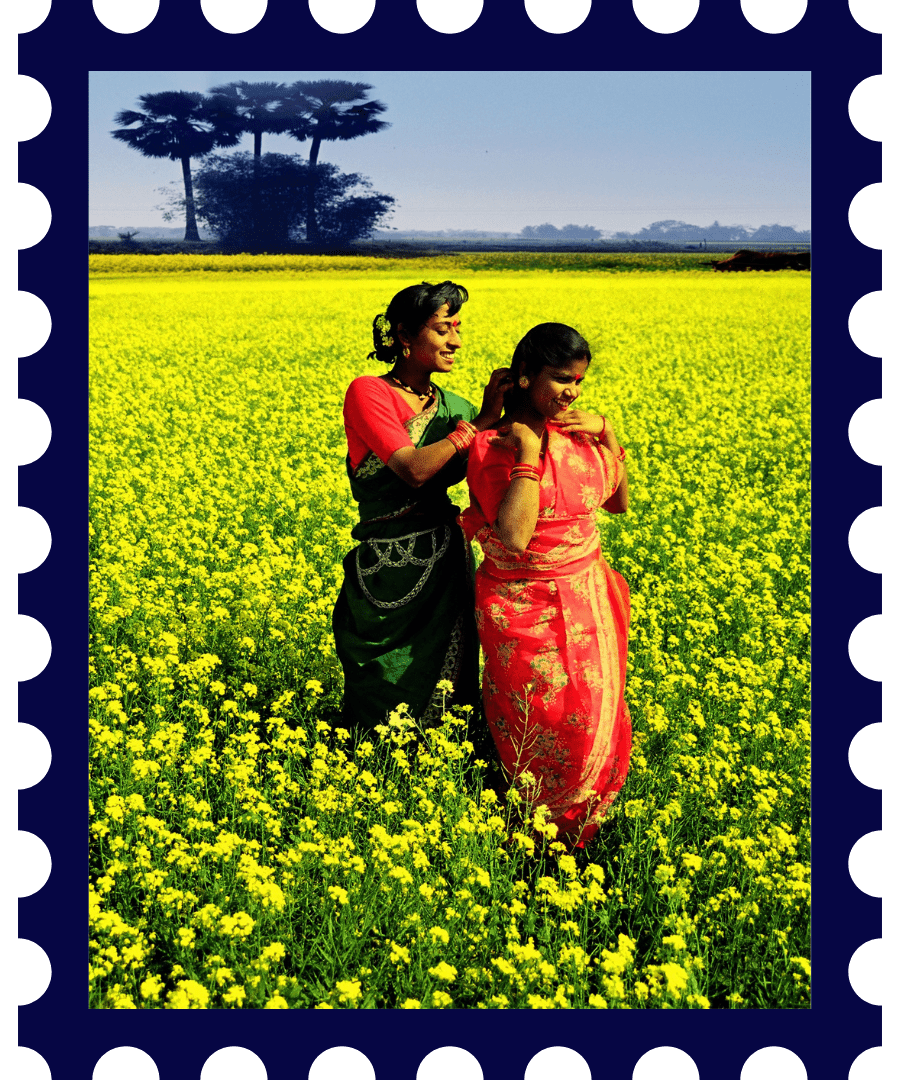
column 492, row 403
column 578, row 420
column 521, row 439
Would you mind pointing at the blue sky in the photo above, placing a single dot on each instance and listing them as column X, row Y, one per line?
column 499, row 150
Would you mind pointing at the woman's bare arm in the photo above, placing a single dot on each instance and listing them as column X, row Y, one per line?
column 518, row 513
column 415, row 465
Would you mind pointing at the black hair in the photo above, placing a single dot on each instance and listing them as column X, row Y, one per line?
column 549, row 344
column 413, row 307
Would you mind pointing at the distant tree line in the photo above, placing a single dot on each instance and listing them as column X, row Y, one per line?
column 262, row 199
column 567, row 232
column 673, row 232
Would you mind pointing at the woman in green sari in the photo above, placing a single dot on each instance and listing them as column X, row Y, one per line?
column 404, row 619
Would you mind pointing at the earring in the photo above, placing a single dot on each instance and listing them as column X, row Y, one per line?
column 405, row 352
column 523, row 382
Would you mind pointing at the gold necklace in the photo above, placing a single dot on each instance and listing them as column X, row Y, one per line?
column 422, row 397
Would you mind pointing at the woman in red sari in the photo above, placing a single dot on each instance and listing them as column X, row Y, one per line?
column 552, row 615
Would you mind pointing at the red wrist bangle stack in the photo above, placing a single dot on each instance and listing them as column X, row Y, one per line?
column 621, row 453
column 462, row 436
column 526, row 472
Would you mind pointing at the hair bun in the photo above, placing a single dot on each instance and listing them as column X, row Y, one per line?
column 383, row 340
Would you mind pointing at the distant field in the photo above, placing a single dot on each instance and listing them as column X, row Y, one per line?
column 407, row 249
column 445, row 262
column 243, row 852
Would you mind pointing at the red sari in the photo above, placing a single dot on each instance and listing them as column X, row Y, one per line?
column 553, row 624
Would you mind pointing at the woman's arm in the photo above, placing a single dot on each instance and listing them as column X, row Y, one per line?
column 492, row 399
column 416, row 465
column 518, row 513
column 600, row 426
column 617, row 503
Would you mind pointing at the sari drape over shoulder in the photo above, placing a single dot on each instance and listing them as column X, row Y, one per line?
column 553, row 623
column 404, row 617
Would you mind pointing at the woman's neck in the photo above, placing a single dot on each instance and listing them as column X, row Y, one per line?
column 528, row 416
column 409, row 373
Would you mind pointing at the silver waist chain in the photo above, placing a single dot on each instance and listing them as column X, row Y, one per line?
column 397, row 553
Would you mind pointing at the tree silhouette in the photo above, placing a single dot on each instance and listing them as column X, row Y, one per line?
column 348, row 208
column 329, row 110
column 179, row 125
column 261, row 107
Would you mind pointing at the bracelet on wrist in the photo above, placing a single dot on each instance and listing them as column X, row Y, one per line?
column 461, row 437
column 524, row 472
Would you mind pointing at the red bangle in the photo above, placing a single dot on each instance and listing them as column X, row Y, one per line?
column 621, row 454
column 462, row 436
column 527, row 472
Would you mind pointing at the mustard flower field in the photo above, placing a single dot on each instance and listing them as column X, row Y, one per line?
column 244, row 851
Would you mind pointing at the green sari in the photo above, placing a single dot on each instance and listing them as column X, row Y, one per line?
column 404, row 619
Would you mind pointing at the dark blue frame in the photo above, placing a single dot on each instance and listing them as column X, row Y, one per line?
column 839, row 1025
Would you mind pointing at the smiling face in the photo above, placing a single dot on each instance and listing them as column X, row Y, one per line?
column 553, row 391
column 435, row 345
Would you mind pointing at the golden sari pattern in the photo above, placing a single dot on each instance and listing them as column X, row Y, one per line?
column 554, row 629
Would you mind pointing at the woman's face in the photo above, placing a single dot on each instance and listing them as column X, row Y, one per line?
column 555, row 389
column 436, row 343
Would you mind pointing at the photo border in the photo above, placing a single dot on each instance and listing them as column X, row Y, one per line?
column 839, row 1025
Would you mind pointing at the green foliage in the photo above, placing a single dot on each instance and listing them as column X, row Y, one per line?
column 260, row 203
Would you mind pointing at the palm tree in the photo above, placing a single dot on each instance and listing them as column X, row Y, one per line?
column 179, row 125
column 261, row 107
column 330, row 110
